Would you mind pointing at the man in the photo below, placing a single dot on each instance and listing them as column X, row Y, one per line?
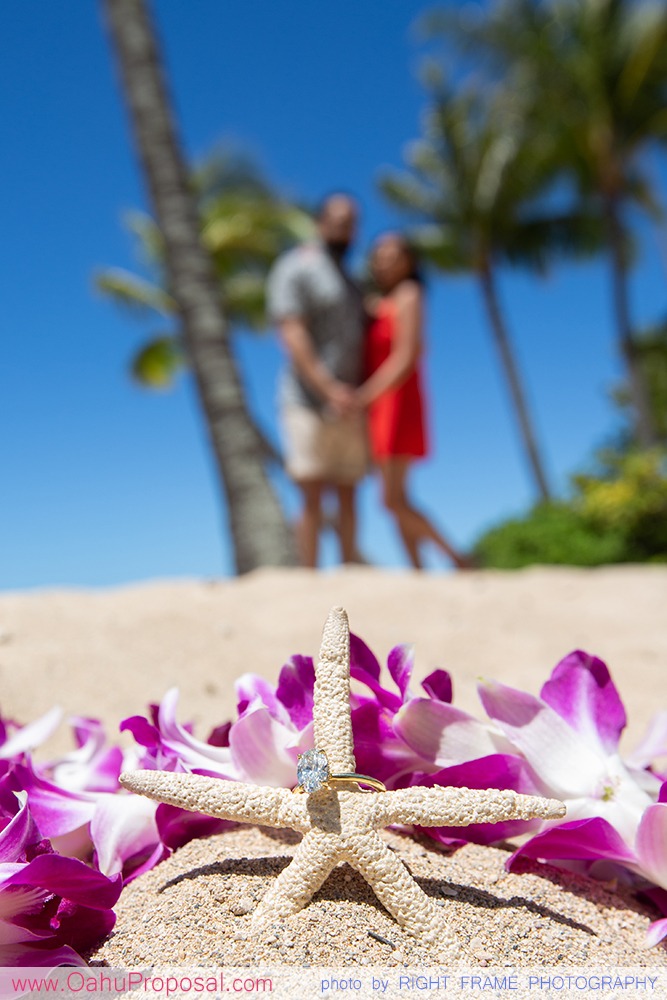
column 319, row 312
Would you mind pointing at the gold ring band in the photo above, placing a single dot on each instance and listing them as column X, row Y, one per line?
column 359, row 779
column 313, row 773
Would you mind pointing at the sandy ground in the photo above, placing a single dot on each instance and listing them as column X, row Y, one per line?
column 109, row 653
column 199, row 903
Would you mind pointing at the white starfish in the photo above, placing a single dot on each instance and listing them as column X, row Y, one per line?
column 341, row 822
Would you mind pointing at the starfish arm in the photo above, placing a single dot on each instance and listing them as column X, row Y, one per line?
column 232, row 800
column 313, row 859
column 396, row 889
column 460, row 806
column 332, row 726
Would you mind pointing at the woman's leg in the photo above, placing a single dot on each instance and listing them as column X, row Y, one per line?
column 393, row 473
column 413, row 526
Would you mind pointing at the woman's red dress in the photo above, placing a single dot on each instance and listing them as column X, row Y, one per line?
column 396, row 418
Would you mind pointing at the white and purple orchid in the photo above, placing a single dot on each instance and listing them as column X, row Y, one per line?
column 51, row 907
column 68, row 838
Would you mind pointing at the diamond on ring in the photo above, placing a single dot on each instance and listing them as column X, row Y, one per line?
column 312, row 770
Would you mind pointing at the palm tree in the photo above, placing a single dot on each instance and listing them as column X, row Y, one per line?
column 259, row 530
column 477, row 178
column 597, row 70
column 243, row 224
column 651, row 352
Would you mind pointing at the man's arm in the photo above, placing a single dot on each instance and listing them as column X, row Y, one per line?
column 287, row 308
column 310, row 368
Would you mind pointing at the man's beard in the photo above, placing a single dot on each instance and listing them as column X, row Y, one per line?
column 338, row 248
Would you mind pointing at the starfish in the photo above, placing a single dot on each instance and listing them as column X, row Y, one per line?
column 341, row 822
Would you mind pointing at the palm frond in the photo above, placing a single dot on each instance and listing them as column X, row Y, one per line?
column 157, row 363
column 134, row 293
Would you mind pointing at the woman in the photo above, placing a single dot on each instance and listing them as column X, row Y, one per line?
column 392, row 392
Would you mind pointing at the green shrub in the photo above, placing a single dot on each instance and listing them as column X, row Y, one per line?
column 630, row 498
column 619, row 515
column 551, row 533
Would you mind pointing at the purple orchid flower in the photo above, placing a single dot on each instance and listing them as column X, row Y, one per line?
column 261, row 746
column 596, row 848
column 407, row 739
column 76, row 801
column 570, row 737
column 51, row 907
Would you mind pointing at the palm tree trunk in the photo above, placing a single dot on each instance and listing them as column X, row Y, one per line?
column 259, row 531
column 645, row 428
column 510, row 368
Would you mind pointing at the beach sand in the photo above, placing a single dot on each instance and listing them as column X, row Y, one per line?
column 109, row 653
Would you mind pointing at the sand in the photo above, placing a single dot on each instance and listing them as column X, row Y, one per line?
column 109, row 653
column 197, row 905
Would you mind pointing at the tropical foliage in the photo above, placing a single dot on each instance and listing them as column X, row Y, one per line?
column 617, row 515
column 595, row 72
column 244, row 224
column 474, row 189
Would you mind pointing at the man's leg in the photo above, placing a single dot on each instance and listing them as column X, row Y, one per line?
column 348, row 467
column 308, row 530
column 347, row 523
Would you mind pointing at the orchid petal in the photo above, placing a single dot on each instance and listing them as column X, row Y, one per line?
column 444, row 735
column 385, row 698
column 70, row 879
column 20, row 955
column 495, row 771
column 582, row 692
column 365, row 668
column 653, row 744
column 146, row 734
column 400, row 663
column 296, row 682
column 438, row 685
column 651, row 843
column 252, row 690
column 565, row 761
column 32, row 735
column 263, row 750
column 377, row 749
column 55, row 810
column 656, row 932
column 20, row 901
column 84, row 926
column 584, row 840
column 362, row 659
column 191, row 751
column 18, row 833
column 179, row 826
column 93, row 766
column 122, row 827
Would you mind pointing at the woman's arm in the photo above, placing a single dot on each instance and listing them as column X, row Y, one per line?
column 406, row 346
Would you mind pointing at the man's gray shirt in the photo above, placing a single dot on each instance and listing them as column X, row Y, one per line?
column 309, row 284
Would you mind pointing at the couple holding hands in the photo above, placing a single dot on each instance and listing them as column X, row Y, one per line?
column 352, row 387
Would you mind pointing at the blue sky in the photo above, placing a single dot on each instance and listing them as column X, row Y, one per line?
column 101, row 482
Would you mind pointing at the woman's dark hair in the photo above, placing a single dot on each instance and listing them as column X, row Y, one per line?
column 410, row 250
column 412, row 253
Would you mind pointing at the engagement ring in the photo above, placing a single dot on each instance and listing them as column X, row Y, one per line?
column 312, row 771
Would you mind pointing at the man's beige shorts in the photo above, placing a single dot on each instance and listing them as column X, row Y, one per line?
column 323, row 448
